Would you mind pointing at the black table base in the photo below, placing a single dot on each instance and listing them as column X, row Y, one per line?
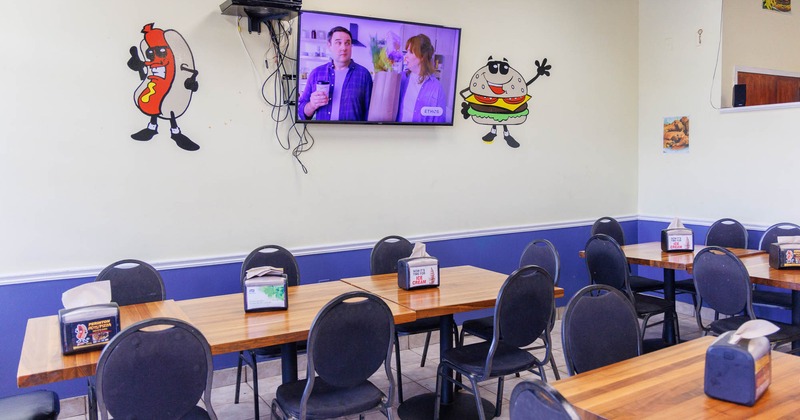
column 462, row 408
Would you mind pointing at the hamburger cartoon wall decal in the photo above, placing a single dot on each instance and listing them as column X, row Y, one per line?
column 498, row 95
column 168, row 80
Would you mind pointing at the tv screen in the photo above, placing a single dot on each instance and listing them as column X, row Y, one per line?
column 366, row 70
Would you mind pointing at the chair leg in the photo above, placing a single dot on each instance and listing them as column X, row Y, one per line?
column 238, row 377
column 399, row 370
column 498, row 408
column 555, row 368
column 425, row 349
column 438, row 400
column 255, row 381
column 477, row 394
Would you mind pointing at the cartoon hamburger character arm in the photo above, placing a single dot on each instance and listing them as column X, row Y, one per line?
column 541, row 69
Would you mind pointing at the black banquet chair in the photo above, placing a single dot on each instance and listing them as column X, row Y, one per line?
column 607, row 265
column 132, row 282
column 383, row 260
column 157, row 368
column 349, row 340
column 600, row 327
column 535, row 400
column 35, row 405
column 611, row 227
column 726, row 232
column 521, row 316
column 723, row 284
column 774, row 298
column 278, row 257
column 539, row 252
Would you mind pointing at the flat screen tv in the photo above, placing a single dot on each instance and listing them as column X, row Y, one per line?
column 365, row 70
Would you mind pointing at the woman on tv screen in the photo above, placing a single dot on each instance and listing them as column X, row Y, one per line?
column 422, row 98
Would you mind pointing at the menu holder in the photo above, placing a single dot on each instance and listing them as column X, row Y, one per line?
column 264, row 289
column 88, row 328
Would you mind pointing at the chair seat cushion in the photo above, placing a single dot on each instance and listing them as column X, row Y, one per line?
column 472, row 358
column 724, row 325
column 646, row 304
column 327, row 401
column 686, row 286
column 480, row 327
column 36, row 405
column 643, row 284
column 772, row 298
column 418, row 326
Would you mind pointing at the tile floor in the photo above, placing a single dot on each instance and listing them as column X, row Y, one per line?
column 416, row 379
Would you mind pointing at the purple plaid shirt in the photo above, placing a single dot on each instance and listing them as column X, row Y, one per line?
column 355, row 96
column 431, row 94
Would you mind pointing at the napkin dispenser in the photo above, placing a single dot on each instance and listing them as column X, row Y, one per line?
column 676, row 237
column 417, row 272
column 88, row 327
column 265, row 289
column 785, row 253
column 738, row 372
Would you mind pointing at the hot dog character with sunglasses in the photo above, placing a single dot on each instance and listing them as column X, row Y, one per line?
column 499, row 95
column 164, row 92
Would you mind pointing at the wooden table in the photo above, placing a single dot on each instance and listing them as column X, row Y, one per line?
column 650, row 254
column 761, row 273
column 221, row 319
column 41, row 361
column 668, row 384
column 228, row 328
column 461, row 289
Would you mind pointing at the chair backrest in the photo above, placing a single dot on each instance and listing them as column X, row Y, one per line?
column 351, row 336
column 274, row 256
column 162, row 372
column 600, row 327
column 609, row 226
column 607, row 263
column 543, row 253
column 535, row 399
column 133, row 281
column 727, row 233
column 384, row 256
column 770, row 235
column 722, row 281
column 523, row 310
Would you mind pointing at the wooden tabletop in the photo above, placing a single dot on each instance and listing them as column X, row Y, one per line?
column 41, row 361
column 650, row 254
column 762, row 273
column 228, row 328
column 668, row 384
column 461, row 289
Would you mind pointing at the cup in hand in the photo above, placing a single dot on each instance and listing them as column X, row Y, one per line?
column 324, row 87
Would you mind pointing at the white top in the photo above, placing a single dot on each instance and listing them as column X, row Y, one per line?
column 338, row 81
column 410, row 100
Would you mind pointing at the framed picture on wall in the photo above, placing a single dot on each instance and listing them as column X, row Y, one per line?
column 676, row 134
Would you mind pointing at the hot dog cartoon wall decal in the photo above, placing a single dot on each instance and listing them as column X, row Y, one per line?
column 169, row 79
column 498, row 95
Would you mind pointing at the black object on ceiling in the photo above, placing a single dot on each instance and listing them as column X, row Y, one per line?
column 258, row 11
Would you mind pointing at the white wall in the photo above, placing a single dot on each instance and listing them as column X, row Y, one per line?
column 78, row 192
column 740, row 163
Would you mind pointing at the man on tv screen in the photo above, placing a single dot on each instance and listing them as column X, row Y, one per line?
column 339, row 90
